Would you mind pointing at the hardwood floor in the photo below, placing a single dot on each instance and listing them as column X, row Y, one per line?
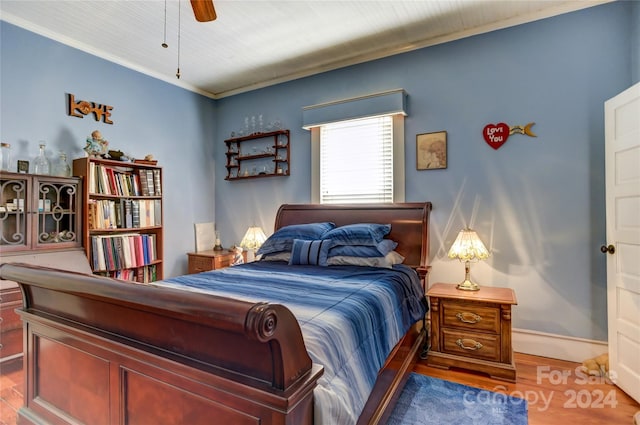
column 556, row 394
column 11, row 390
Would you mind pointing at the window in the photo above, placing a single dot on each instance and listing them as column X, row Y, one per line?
column 357, row 148
column 356, row 161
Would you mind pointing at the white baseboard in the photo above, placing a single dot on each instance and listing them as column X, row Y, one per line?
column 556, row 346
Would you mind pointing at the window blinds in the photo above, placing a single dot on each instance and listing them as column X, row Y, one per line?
column 356, row 161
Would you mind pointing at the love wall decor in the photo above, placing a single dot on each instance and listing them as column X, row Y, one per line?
column 80, row 108
column 496, row 135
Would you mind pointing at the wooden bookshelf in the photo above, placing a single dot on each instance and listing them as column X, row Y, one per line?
column 122, row 218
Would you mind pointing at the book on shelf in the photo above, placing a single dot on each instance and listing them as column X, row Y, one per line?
column 91, row 213
column 157, row 210
column 103, row 181
column 141, row 275
column 139, row 251
column 132, row 252
column 135, row 214
column 157, row 183
column 150, row 181
column 122, row 251
column 128, row 213
column 144, row 183
column 119, row 213
column 126, row 254
column 104, row 217
column 135, row 182
column 108, row 253
column 93, row 188
column 145, row 249
column 119, row 253
column 113, row 180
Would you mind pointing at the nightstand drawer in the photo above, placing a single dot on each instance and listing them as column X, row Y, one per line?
column 470, row 316
column 201, row 264
column 469, row 344
column 223, row 261
column 205, row 261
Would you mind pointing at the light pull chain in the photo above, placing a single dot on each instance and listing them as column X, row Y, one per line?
column 179, row 19
column 164, row 38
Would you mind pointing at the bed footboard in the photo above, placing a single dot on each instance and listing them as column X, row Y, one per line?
column 100, row 351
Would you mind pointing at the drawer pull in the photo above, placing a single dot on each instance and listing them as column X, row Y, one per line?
column 468, row 317
column 474, row 345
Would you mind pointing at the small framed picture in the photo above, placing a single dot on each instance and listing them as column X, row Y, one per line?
column 431, row 150
column 23, row 166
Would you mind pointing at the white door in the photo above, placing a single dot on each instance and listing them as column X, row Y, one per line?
column 622, row 162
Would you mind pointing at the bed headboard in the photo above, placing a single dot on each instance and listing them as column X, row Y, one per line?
column 409, row 223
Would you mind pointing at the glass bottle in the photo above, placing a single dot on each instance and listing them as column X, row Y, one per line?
column 5, row 156
column 41, row 163
column 62, row 168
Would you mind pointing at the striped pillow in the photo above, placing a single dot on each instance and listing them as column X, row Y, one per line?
column 310, row 252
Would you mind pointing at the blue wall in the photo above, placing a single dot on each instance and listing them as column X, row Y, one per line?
column 537, row 202
column 149, row 117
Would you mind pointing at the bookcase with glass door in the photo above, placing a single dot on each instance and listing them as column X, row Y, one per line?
column 39, row 213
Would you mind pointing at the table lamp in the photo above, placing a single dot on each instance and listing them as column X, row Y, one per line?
column 253, row 239
column 468, row 247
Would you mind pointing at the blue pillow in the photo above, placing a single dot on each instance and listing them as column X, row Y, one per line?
column 282, row 239
column 310, row 252
column 379, row 250
column 369, row 234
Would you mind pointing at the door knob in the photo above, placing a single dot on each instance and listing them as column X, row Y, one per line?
column 610, row 249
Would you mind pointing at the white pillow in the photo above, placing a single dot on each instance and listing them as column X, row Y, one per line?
column 386, row 262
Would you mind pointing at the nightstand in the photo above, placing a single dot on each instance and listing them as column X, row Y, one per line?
column 204, row 261
column 472, row 329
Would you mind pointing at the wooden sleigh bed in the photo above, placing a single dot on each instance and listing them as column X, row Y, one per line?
column 101, row 351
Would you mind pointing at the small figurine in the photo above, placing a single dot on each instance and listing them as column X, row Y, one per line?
column 96, row 145
column 238, row 258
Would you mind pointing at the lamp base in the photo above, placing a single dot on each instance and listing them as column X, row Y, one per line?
column 467, row 285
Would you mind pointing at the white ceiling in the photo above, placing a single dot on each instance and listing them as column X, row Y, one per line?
column 254, row 44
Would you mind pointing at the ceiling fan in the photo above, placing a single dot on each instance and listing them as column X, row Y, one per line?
column 203, row 10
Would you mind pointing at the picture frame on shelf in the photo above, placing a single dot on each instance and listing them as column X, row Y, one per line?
column 431, row 151
column 23, row 166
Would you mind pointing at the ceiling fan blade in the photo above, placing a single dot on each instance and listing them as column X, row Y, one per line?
column 203, row 9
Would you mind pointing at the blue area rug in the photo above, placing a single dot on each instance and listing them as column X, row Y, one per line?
column 426, row 400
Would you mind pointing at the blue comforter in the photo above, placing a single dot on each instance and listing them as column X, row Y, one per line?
column 351, row 318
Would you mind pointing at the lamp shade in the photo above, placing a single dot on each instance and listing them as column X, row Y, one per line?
column 254, row 238
column 468, row 247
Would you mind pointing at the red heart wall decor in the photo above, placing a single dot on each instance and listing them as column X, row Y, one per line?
column 496, row 135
